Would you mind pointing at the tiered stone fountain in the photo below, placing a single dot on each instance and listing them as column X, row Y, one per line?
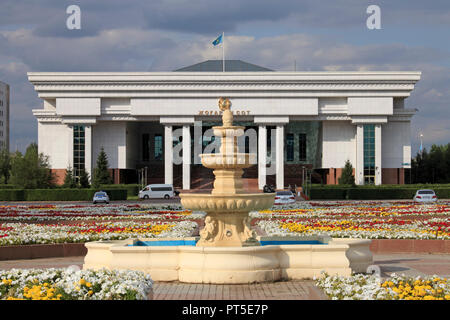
column 228, row 205
column 228, row 250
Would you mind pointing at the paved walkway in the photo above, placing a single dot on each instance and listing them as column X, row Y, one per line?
column 408, row 264
column 413, row 264
column 282, row 290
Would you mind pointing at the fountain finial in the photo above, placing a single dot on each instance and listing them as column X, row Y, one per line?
column 227, row 116
column 224, row 104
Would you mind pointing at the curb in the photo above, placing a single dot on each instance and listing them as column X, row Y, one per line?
column 409, row 246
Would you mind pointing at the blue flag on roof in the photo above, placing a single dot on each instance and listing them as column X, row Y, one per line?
column 218, row 40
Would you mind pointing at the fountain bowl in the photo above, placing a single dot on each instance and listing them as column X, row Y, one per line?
column 226, row 203
column 228, row 161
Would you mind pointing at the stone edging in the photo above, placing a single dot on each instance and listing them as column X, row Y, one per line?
column 409, row 246
column 36, row 251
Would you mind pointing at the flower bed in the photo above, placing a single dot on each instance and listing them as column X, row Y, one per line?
column 21, row 233
column 356, row 209
column 66, row 284
column 434, row 228
column 46, row 224
column 372, row 287
column 366, row 219
column 36, row 213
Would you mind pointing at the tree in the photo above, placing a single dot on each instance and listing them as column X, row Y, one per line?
column 84, row 179
column 31, row 170
column 347, row 174
column 69, row 180
column 432, row 166
column 5, row 165
column 101, row 173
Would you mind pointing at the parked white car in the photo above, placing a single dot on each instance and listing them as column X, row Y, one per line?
column 284, row 197
column 100, row 196
column 154, row 191
column 425, row 195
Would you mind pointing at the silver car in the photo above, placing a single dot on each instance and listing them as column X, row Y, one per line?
column 284, row 197
column 425, row 195
column 100, row 196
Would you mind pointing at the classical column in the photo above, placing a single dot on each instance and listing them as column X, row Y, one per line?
column 280, row 156
column 378, row 154
column 70, row 147
column 88, row 150
column 168, row 154
column 359, row 170
column 186, row 157
column 262, row 155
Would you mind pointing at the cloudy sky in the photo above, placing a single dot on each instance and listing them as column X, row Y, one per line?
column 163, row 35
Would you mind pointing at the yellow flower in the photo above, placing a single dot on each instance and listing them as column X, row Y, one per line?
column 82, row 281
column 88, row 284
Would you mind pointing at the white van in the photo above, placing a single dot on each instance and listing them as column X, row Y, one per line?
column 157, row 191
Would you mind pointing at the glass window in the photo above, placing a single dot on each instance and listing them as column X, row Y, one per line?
column 161, row 189
column 158, row 147
column 369, row 154
column 208, row 139
column 302, row 147
column 270, row 130
column 289, row 147
column 426, row 192
column 145, row 147
column 78, row 150
column 247, row 144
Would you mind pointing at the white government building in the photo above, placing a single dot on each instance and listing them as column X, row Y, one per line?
column 317, row 120
column 4, row 116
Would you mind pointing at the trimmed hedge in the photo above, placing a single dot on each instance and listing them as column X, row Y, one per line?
column 328, row 193
column 58, row 194
column 372, row 192
column 12, row 194
column 132, row 189
column 387, row 186
column 380, row 194
column 7, row 186
column 442, row 193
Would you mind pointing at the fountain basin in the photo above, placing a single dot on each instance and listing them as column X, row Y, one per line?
column 232, row 265
column 264, row 241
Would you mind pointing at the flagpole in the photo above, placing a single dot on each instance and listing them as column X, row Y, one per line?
column 223, row 51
